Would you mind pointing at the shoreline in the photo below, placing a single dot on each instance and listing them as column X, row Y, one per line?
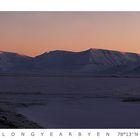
column 12, row 119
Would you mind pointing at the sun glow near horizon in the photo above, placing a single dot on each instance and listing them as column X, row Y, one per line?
column 33, row 33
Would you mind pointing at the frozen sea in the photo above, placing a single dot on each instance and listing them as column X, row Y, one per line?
column 85, row 113
column 73, row 102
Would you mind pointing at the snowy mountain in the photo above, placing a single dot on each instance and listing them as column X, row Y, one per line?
column 89, row 61
column 92, row 60
column 10, row 62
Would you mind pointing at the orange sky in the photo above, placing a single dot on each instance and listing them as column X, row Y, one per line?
column 32, row 33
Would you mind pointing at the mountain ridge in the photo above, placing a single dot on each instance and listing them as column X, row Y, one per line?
column 90, row 49
column 88, row 61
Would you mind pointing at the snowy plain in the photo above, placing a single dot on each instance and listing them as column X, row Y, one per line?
column 73, row 102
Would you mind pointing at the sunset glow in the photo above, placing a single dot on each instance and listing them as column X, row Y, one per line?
column 32, row 33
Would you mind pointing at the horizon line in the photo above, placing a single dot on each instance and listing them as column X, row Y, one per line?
column 22, row 54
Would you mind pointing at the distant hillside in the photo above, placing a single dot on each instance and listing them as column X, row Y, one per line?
column 96, row 61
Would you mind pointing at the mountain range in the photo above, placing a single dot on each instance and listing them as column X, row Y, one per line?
column 94, row 61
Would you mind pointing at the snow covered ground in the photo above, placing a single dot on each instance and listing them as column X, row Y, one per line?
column 73, row 102
column 85, row 113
